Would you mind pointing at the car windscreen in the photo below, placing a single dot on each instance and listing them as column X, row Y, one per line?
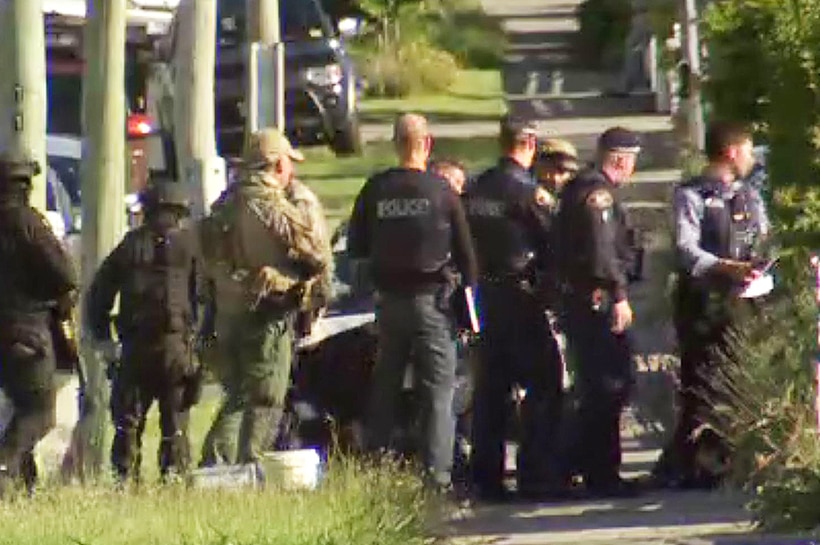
column 67, row 170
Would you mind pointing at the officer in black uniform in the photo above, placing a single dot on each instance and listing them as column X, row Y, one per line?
column 408, row 223
column 599, row 255
column 153, row 270
column 720, row 221
column 511, row 233
column 38, row 282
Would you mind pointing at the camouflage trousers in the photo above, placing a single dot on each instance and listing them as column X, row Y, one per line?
column 252, row 361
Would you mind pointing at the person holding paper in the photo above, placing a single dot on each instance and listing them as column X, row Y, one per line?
column 410, row 226
column 720, row 222
column 512, row 238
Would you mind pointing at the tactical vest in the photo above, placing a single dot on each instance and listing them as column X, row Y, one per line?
column 412, row 233
column 502, row 241
column 727, row 227
column 156, row 298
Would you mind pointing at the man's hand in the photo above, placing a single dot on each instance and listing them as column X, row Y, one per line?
column 621, row 316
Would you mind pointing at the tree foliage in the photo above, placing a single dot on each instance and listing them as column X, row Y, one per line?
column 763, row 68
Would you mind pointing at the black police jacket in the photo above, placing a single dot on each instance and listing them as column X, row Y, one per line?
column 510, row 230
column 410, row 225
column 154, row 271
column 597, row 247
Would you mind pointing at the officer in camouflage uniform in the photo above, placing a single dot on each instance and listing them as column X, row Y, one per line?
column 153, row 269
column 38, row 282
column 269, row 262
column 555, row 165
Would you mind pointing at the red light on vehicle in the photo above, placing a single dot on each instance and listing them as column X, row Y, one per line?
column 139, row 125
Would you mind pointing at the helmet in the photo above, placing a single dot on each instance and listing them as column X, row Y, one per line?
column 17, row 167
column 165, row 192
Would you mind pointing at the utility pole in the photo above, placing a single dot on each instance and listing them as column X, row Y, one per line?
column 266, row 66
column 194, row 81
column 103, row 175
column 23, row 97
column 691, row 44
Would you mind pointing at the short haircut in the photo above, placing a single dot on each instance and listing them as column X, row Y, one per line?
column 514, row 131
column 721, row 135
column 410, row 130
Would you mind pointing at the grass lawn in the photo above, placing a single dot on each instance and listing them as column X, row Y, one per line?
column 475, row 95
column 337, row 181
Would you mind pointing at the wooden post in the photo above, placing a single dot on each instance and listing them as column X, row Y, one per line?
column 194, row 126
column 266, row 92
column 23, row 98
column 103, row 174
column 691, row 42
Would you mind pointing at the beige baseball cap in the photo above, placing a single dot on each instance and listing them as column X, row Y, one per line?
column 267, row 145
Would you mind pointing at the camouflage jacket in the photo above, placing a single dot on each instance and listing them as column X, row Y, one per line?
column 257, row 226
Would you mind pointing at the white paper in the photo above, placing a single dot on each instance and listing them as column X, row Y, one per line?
column 758, row 287
column 474, row 323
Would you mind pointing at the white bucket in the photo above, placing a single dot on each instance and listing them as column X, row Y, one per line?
column 292, row 469
column 234, row 476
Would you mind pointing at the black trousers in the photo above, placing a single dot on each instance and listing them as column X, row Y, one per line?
column 603, row 382
column 151, row 372
column 517, row 347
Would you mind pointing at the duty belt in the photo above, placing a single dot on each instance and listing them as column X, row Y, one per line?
column 516, row 280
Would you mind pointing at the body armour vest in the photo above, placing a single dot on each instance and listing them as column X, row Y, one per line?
column 411, row 216
column 156, row 298
column 727, row 229
column 494, row 209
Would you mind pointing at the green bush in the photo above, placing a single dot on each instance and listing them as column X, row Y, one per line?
column 475, row 39
column 768, row 413
column 408, row 69
column 604, row 28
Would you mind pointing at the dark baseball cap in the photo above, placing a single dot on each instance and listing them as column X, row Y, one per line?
column 515, row 128
column 619, row 139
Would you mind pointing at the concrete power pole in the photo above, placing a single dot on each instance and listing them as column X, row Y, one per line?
column 103, row 175
column 23, row 98
column 266, row 66
column 691, row 44
column 194, row 80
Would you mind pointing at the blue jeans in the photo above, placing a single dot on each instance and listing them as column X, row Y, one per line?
column 414, row 324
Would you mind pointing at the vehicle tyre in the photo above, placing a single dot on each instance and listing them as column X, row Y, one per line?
column 348, row 139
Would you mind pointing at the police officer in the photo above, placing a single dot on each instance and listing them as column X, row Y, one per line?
column 407, row 223
column 38, row 282
column 598, row 256
column 153, row 271
column 720, row 222
column 512, row 243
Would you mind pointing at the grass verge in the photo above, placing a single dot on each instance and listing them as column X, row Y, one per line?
column 355, row 505
column 473, row 96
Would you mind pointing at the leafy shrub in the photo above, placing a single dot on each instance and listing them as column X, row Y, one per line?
column 409, row 68
column 475, row 39
column 768, row 413
column 604, row 28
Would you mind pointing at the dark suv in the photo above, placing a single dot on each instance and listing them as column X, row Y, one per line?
column 321, row 90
